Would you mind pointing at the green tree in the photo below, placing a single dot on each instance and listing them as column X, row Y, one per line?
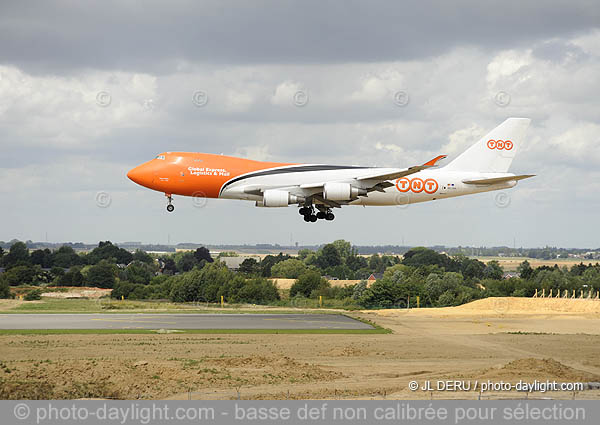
column 169, row 266
column 446, row 299
column 493, row 270
column 201, row 284
column 383, row 293
column 356, row 262
column 19, row 275
column 72, row 277
column 139, row 272
column 186, row 262
column 328, row 256
column 256, row 291
column 18, row 255
column 343, row 248
column 203, row 254
column 65, row 257
column 359, row 290
column 269, row 261
column 107, row 251
column 4, row 288
column 524, row 269
column 308, row 282
column 42, row 257
column 249, row 267
column 142, row 256
column 290, row 269
column 34, row 295
column 304, row 253
column 102, row 275
column 424, row 256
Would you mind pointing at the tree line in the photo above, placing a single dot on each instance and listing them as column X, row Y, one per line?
column 194, row 276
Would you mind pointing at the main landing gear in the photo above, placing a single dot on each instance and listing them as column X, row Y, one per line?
column 310, row 216
column 170, row 206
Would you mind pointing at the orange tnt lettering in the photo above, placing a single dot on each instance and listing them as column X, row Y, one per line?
column 431, row 186
column 403, row 184
column 416, row 185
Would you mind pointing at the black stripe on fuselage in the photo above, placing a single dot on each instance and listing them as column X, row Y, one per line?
column 292, row 169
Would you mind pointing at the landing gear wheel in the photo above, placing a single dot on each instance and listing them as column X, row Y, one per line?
column 304, row 211
column 307, row 218
column 321, row 215
column 313, row 218
column 329, row 216
column 170, row 206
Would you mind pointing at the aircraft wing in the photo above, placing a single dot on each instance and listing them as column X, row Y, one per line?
column 403, row 173
column 382, row 178
column 379, row 182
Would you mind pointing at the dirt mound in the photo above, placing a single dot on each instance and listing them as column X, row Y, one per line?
column 541, row 369
column 348, row 351
column 147, row 378
column 505, row 305
column 532, row 305
column 75, row 292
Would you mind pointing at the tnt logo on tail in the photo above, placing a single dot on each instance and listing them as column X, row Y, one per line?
column 500, row 144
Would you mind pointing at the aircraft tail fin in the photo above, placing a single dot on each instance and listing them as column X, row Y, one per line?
column 494, row 152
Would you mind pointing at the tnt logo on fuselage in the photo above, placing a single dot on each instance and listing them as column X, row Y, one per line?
column 417, row 185
column 500, row 144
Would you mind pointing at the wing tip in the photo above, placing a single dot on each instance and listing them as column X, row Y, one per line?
column 434, row 161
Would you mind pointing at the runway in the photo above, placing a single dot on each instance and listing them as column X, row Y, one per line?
column 179, row 321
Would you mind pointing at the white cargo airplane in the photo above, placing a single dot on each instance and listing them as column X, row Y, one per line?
column 317, row 188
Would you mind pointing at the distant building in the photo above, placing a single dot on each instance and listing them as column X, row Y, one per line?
column 234, row 263
column 374, row 276
column 508, row 275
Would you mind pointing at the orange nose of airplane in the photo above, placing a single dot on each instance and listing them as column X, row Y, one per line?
column 142, row 175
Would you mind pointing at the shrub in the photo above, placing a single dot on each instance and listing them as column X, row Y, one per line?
column 34, row 295
column 4, row 288
column 307, row 283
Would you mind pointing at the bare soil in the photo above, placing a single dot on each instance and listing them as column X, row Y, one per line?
column 474, row 342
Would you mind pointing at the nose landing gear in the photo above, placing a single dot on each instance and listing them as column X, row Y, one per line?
column 170, row 206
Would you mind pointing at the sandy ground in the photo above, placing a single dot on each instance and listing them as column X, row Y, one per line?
column 473, row 342
column 74, row 292
column 511, row 263
column 287, row 283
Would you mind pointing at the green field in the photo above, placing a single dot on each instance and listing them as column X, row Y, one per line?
column 58, row 305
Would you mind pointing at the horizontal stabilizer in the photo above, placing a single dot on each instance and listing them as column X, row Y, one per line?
column 497, row 180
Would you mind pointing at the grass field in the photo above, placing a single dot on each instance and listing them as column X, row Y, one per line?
column 61, row 305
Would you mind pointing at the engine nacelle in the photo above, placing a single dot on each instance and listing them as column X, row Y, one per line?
column 341, row 191
column 278, row 198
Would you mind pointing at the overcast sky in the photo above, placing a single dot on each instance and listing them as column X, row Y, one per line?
column 88, row 90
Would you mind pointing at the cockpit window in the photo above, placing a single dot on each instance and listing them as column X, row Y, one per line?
column 160, row 157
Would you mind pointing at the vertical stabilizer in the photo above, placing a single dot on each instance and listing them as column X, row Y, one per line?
column 494, row 152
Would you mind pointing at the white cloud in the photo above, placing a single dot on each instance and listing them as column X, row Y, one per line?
column 58, row 142
column 71, row 112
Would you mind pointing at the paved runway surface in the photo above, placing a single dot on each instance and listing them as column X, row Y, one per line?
column 179, row 321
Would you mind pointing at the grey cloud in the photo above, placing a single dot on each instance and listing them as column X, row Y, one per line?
column 59, row 36
column 559, row 51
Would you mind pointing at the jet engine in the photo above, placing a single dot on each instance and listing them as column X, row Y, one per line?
column 278, row 198
column 341, row 191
